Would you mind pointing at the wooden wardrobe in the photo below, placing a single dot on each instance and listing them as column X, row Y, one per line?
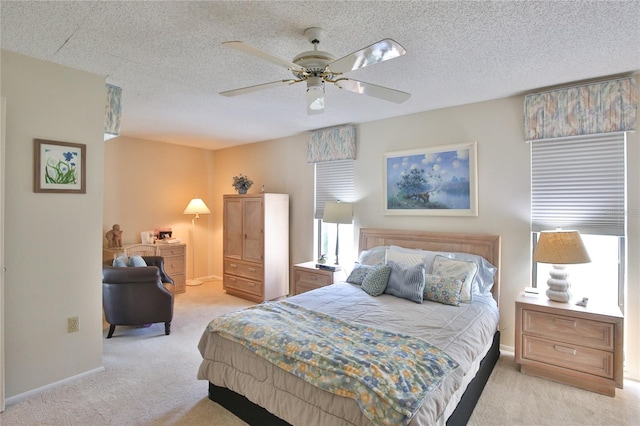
column 256, row 246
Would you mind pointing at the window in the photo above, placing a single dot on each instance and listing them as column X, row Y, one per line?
column 334, row 180
column 579, row 183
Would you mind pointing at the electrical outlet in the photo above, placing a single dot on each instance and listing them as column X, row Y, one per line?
column 73, row 324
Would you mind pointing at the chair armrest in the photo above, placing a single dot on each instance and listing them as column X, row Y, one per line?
column 159, row 262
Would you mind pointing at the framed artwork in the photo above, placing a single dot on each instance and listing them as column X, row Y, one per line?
column 59, row 167
column 436, row 181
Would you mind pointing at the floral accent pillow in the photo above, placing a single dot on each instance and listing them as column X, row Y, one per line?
column 463, row 270
column 444, row 290
column 359, row 273
column 376, row 280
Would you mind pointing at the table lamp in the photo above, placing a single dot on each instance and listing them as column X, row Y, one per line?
column 560, row 248
column 337, row 212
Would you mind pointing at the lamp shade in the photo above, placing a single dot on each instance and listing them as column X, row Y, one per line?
column 561, row 248
column 197, row 206
column 337, row 212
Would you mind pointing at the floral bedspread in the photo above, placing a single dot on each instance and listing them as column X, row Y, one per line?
column 387, row 373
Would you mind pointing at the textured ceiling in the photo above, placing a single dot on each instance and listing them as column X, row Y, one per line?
column 169, row 61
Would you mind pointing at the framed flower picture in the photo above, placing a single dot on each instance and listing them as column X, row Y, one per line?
column 436, row 181
column 59, row 167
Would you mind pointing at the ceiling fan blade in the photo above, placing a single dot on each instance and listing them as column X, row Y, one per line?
column 249, row 89
column 374, row 90
column 242, row 47
column 378, row 52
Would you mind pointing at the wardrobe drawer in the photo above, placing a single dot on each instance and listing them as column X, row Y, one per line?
column 243, row 270
column 594, row 334
column 239, row 283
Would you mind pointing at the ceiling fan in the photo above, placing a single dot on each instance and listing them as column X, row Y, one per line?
column 317, row 67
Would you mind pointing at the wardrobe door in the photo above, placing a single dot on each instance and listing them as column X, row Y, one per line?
column 253, row 230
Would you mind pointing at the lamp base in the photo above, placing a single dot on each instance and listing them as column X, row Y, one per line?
column 193, row 283
column 558, row 290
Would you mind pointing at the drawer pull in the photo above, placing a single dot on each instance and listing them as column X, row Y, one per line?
column 564, row 349
column 252, row 269
column 565, row 322
column 313, row 277
column 233, row 265
column 232, row 280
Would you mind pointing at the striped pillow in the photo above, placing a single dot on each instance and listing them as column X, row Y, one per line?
column 406, row 281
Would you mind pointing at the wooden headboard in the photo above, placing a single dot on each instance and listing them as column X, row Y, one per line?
column 487, row 246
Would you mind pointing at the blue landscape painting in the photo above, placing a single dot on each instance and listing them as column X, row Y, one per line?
column 432, row 180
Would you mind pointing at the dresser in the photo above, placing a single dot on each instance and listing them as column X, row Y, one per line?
column 575, row 345
column 307, row 276
column 175, row 261
column 256, row 246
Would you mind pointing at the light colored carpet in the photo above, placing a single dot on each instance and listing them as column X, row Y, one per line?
column 150, row 379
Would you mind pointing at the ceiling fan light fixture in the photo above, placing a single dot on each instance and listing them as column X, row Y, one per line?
column 315, row 95
column 316, row 100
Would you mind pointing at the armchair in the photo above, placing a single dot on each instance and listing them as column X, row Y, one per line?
column 136, row 295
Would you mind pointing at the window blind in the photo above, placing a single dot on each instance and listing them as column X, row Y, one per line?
column 334, row 181
column 579, row 183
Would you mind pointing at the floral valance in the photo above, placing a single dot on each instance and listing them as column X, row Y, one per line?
column 602, row 107
column 112, row 112
column 332, row 144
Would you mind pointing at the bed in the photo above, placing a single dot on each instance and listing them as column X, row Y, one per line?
column 261, row 393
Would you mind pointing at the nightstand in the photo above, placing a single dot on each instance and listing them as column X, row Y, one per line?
column 306, row 276
column 175, row 261
column 575, row 345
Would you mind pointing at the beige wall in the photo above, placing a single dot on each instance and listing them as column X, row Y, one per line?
column 281, row 166
column 52, row 241
column 148, row 185
column 503, row 181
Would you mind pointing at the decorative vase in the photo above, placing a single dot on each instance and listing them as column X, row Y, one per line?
column 242, row 190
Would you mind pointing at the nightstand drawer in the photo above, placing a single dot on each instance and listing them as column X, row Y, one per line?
column 594, row 334
column 312, row 279
column 243, row 285
column 569, row 356
column 174, row 265
column 168, row 250
column 243, row 270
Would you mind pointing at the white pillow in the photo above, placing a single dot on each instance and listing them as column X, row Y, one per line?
column 408, row 259
column 373, row 256
column 463, row 270
column 427, row 255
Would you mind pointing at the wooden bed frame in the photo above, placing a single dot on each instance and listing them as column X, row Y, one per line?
column 487, row 246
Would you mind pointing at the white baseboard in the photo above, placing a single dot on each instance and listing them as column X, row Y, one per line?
column 210, row 278
column 510, row 350
column 26, row 395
